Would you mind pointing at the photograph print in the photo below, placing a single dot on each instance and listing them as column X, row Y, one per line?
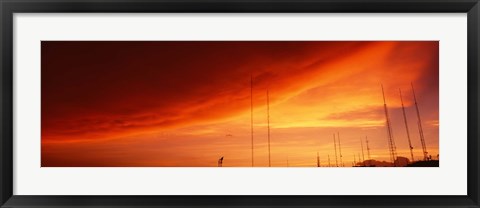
column 317, row 104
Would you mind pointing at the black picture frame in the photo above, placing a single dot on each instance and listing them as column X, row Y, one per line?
column 9, row 7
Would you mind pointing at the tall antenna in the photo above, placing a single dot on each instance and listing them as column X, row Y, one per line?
column 391, row 142
column 420, row 129
column 318, row 160
column 363, row 155
column 406, row 125
column 340, row 149
column 335, row 146
column 368, row 148
column 251, row 111
column 329, row 165
column 268, row 121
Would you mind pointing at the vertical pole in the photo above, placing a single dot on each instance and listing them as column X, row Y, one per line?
column 391, row 142
column 340, row 149
column 420, row 129
column 335, row 146
column 406, row 125
column 318, row 160
column 251, row 111
column 268, row 121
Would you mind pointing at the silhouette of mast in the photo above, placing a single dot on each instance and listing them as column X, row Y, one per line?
column 406, row 125
column 335, row 146
column 391, row 142
column 318, row 160
column 340, row 149
column 251, row 111
column 420, row 129
column 268, row 122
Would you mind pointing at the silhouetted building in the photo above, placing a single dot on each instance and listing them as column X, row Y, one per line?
column 402, row 161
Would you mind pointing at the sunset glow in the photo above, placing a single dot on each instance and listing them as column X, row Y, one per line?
column 188, row 103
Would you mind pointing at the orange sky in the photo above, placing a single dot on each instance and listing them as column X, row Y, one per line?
column 174, row 103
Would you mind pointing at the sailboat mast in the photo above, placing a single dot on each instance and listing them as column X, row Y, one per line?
column 340, row 149
column 420, row 129
column 391, row 142
column 335, row 146
column 318, row 160
column 268, row 121
column 251, row 112
column 406, row 125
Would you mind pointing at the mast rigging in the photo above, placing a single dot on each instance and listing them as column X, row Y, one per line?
column 420, row 129
column 391, row 141
column 406, row 126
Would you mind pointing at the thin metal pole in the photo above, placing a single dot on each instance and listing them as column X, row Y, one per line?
column 268, row 121
column 318, row 160
column 340, row 149
column 251, row 111
column 420, row 129
column 391, row 141
column 406, row 126
column 335, row 146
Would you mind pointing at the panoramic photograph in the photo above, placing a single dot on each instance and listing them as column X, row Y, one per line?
column 260, row 104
